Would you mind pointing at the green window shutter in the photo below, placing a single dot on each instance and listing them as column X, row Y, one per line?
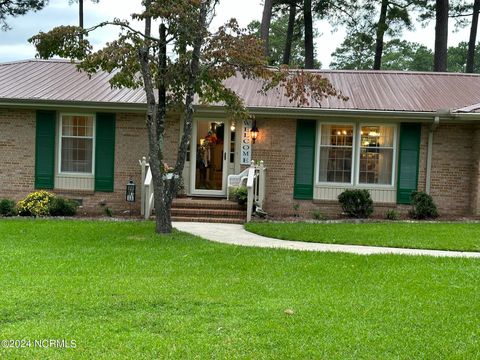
column 45, row 150
column 104, row 152
column 408, row 160
column 304, row 159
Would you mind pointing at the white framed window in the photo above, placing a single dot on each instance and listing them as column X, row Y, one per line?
column 76, row 144
column 376, row 155
column 356, row 154
column 336, row 153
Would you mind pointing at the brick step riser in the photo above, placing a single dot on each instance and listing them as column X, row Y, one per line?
column 206, row 205
column 208, row 220
column 208, row 213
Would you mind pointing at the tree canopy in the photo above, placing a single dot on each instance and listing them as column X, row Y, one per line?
column 18, row 7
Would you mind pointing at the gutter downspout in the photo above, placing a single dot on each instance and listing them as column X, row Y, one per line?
column 433, row 127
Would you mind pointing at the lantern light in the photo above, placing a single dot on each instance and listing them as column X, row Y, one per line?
column 130, row 192
column 254, row 131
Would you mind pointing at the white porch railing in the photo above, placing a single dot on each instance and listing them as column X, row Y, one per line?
column 255, row 187
column 255, row 178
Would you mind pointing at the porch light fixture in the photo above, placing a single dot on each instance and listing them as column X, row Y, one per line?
column 254, row 131
column 130, row 192
column 232, row 127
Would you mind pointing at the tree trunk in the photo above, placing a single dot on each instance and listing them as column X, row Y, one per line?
column 287, row 54
column 80, row 16
column 441, row 36
column 309, row 49
column 265, row 26
column 473, row 38
column 381, row 28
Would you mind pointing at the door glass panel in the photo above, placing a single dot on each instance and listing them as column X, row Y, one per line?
column 209, row 162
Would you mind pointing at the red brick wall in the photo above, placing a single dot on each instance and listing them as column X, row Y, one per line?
column 17, row 152
column 17, row 158
column 452, row 168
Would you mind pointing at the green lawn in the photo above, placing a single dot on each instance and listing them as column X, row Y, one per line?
column 440, row 236
column 121, row 292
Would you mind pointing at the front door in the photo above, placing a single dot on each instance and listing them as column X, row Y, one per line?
column 211, row 147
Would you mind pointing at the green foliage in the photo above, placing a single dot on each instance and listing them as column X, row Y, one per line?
column 277, row 41
column 457, row 58
column 318, row 215
column 60, row 206
column 241, row 195
column 107, row 211
column 7, row 208
column 357, row 53
column 392, row 215
column 36, row 204
column 356, row 203
column 18, row 7
column 423, row 207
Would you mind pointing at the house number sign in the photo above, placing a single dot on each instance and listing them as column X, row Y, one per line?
column 246, row 150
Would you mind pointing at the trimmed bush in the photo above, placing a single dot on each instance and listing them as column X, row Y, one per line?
column 392, row 215
column 356, row 203
column 423, row 207
column 35, row 204
column 7, row 207
column 62, row 207
column 241, row 195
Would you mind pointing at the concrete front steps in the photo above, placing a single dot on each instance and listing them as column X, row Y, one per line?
column 208, row 210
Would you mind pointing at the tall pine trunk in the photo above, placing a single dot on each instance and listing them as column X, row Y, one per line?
column 441, row 36
column 265, row 26
column 80, row 16
column 287, row 54
column 473, row 38
column 381, row 28
column 309, row 49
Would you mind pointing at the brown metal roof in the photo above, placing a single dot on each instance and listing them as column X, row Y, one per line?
column 59, row 81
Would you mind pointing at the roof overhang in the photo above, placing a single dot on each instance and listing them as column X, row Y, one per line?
column 279, row 113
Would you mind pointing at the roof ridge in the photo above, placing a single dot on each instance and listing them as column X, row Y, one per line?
column 400, row 72
column 25, row 61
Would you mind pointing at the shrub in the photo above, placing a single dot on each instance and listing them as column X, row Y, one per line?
column 241, row 195
column 356, row 203
column 317, row 215
column 62, row 207
column 7, row 207
column 392, row 215
column 35, row 204
column 423, row 206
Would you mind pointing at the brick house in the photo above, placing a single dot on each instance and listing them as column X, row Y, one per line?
column 398, row 132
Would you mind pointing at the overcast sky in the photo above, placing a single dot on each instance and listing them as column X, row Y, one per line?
column 14, row 45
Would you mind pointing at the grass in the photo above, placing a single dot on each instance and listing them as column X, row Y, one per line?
column 439, row 236
column 121, row 292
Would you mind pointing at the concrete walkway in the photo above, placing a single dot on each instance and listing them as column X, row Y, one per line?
column 236, row 235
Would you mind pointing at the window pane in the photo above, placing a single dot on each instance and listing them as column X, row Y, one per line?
column 377, row 136
column 335, row 165
column 376, row 166
column 337, row 135
column 77, row 126
column 76, row 155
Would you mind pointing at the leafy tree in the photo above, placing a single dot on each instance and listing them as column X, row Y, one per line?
column 16, row 8
column 197, row 63
column 458, row 58
column 358, row 54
